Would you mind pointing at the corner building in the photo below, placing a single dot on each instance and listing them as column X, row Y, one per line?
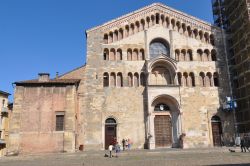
column 154, row 76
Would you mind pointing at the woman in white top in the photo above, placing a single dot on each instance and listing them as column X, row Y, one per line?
column 110, row 150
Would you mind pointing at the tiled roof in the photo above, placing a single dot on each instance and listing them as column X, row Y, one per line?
column 50, row 82
column 4, row 93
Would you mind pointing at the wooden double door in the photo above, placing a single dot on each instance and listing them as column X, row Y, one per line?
column 163, row 131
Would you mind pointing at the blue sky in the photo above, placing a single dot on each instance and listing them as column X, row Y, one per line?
column 49, row 35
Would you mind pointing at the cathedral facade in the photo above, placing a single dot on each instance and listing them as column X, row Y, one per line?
column 156, row 76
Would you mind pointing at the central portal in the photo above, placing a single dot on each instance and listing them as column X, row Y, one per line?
column 163, row 131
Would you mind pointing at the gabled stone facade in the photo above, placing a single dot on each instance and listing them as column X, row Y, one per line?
column 156, row 76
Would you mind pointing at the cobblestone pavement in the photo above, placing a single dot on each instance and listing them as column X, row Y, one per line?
column 213, row 156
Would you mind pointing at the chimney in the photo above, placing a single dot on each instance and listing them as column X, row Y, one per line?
column 43, row 77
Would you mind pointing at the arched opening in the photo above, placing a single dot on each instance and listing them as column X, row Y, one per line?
column 159, row 46
column 179, row 75
column 110, row 37
column 209, row 80
column 119, row 80
column 183, row 55
column 195, row 31
column 213, row 55
column 212, row 39
column 166, row 121
column 130, row 79
column 141, row 54
column 199, row 55
column 120, row 35
column 105, row 39
column 216, row 79
column 185, row 79
column 206, row 55
column 142, row 79
column 132, row 29
column 178, row 24
column 112, row 54
column 142, row 27
column 110, row 132
column 201, row 34
column 173, row 24
column 119, row 54
column 126, row 30
column 105, row 80
column 216, row 130
column 137, row 26
column 192, row 78
column 106, row 54
column 189, row 55
column 202, row 79
column 129, row 55
column 135, row 55
column 189, row 31
column 177, row 55
column 112, row 80
column 115, row 35
column 136, row 80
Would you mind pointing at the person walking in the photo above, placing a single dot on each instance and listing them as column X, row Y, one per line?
column 123, row 144
column 117, row 149
column 110, row 150
column 126, row 143
column 243, row 144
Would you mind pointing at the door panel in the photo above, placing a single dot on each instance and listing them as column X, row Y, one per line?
column 163, row 131
column 216, row 130
column 110, row 134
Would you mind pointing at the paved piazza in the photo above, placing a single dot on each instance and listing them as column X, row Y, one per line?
column 215, row 156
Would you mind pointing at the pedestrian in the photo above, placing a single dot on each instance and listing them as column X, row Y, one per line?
column 247, row 142
column 126, row 144
column 243, row 143
column 117, row 149
column 110, row 150
column 129, row 144
column 123, row 144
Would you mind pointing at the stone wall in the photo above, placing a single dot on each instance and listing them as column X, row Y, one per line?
column 32, row 127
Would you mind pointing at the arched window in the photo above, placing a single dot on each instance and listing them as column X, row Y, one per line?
column 185, row 82
column 195, row 33
column 105, row 39
column 158, row 47
column 157, row 18
column 106, row 54
column 183, row 55
column 119, row 54
column 209, row 80
column 216, row 79
column 189, row 31
column 173, row 24
column 192, row 79
column 206, row 36
column 110, row 37
column 179, row 75
column 115, row 35
column 206, row 55
column 130, row 79
column 135, row 55
column 112, row 80
column 136, row 80
column 178, row 24
column 105, row 80
column 201, row 34
column 129, row 55
column 184, row 28
column 137, row 26
column 161, row 107
column 213, row 55
column 126, row 31
column 142, row 27
column 177, row 55
column 120, row 34
column 199, row 54
column 110, row 121
column 189, row 55
column 112, row 54
column 142, row 79
column 119, row 80
column 141, row 54
column 132, row 29
column 212, row 39
column 202, row 79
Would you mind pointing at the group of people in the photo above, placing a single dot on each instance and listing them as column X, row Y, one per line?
column 115, row 146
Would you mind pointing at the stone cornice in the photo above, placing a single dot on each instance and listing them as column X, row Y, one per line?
column 161, row 9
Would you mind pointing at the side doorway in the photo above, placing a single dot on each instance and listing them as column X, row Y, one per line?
column 216, row 130
column 110, row 132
